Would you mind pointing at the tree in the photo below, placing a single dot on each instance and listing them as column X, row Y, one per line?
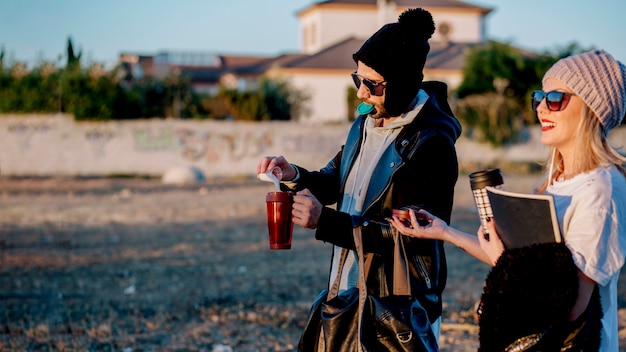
column 274, row 99
column 495, row 61
column 275, row 95
column 73, row 61
column 497, row 81
column 2, row 60
column 353, row 102
column 94, row 94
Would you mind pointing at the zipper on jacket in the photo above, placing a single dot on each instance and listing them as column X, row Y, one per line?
column 421, row 266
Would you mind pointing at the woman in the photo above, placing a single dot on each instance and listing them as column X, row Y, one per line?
column 582, row 100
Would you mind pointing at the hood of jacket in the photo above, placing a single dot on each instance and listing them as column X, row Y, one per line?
column 435, row 118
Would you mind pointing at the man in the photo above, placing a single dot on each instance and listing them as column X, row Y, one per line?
column 399, row 152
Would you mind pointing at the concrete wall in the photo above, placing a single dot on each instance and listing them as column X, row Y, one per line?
column 55, row 145
column 33, row 145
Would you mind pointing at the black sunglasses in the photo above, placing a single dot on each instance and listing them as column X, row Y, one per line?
column 375, row 88
column 555, row 101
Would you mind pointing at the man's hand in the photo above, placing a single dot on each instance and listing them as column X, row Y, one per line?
column 269, row 162
column 306, row 209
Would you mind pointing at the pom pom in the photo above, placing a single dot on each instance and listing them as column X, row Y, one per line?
column 419, row 22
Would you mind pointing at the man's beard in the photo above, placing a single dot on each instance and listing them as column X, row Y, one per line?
column 381, row 113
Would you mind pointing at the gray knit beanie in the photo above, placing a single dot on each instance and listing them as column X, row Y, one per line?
column 599, row 80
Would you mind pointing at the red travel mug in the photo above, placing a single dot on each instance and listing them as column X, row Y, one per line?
column 279, row 223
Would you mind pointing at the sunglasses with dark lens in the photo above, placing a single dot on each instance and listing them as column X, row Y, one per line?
column 375, row 88
column 555, row 101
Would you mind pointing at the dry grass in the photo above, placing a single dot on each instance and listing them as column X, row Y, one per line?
column 135, row 265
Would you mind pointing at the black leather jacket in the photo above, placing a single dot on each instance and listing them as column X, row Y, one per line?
column 419, row 168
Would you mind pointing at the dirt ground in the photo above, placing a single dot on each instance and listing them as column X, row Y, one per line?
column 97, row 264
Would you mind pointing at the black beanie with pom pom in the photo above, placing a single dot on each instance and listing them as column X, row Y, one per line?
column 398, row 52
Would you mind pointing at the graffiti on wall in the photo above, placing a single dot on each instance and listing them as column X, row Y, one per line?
column 319, row 144
column 214, row 146
column 147, row 139
column 204, row 145
column 25, row 130
column 98, row 138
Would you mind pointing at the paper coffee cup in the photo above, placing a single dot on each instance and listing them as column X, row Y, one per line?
column 478, row 181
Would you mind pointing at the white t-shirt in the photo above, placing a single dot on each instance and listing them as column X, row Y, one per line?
column 591, row 209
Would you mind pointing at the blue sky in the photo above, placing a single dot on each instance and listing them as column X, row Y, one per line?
column 36, row 30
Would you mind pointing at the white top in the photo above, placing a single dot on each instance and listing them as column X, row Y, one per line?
column 591, row 209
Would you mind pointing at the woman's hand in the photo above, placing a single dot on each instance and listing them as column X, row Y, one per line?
column 270, row 162
column 493, row 247
column 433, row 228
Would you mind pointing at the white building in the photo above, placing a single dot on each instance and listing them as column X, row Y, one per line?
column 331, row 31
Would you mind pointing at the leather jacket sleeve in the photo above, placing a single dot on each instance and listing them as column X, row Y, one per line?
column 426, row 180
column 324, row 184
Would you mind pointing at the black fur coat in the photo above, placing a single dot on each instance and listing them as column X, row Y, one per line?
column 526, row 302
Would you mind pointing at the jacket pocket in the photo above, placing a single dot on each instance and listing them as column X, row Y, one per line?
column 423, row 270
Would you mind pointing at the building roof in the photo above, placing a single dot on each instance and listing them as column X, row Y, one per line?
column 232, row 61
column 228, row 63
column 448, row 56
column 455, row 4
column 239, row 65
column 339, row 56
column 266, row 65
column 430, row 3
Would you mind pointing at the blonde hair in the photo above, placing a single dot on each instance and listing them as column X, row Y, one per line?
column 592, row 150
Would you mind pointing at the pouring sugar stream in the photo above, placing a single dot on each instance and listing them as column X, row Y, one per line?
column 274, row 175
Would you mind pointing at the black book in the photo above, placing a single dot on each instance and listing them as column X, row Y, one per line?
column 523, row 219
